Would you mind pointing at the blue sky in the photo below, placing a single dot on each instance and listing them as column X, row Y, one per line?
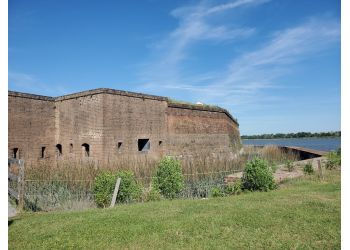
column 275, row 65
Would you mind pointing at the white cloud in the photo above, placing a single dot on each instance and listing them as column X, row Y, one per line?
column 193, row 26
column 248, row 75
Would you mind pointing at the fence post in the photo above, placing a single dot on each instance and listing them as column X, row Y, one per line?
column 21, row 185
column 116, row 189
column 320, row 169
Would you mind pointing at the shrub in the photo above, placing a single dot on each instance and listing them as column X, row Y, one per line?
column 103, row 188
column 105, row 183
column 333, row 159
column 168, row 178
column 237, row 187
column 308, row 169
column 289, row 165
column 258, row 176
column 153, row 195
column 129, row 190
column 217, row 192
column 234, row 188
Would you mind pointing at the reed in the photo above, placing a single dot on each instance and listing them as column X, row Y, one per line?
column 67, row 184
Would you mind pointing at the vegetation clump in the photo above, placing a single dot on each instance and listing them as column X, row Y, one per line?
column 153, row 194
column 217, row 192
column 104, row 186
column 257, row 176
column 333, row 159
column 290, row 166
column 168, row 178
column 234, row 188
column 308, row 169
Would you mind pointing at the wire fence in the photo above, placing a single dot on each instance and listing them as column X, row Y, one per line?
column 70, row 186
column 63, row 194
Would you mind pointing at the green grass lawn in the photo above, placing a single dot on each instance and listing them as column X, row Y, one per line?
column 300, row 214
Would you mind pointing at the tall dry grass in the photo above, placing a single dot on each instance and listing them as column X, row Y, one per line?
column 67, row 184
column 270, row 153
column 144, row 168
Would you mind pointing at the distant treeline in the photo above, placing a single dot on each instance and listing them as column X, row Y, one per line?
column 292, row 135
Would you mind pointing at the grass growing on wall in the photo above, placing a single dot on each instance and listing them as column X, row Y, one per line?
column 301, row 214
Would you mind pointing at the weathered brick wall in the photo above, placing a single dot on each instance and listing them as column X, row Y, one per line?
column 30, row 126
column 192, row 131
column 79, row 120
column 111, row 122
column 127, row 119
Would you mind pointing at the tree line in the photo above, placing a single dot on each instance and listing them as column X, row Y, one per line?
column 293, row 135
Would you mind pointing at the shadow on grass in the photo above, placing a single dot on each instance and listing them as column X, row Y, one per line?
column 12, row 220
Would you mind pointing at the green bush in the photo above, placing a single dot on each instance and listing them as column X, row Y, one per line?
column 234, row 188
column 168, row 178
column 289, row 165
column 105, row 183
column 308, row 169
column 333, row 159
column 153, row 195
column 103, row 188
column 129, row 190
column 217, row 192
column 258, row 176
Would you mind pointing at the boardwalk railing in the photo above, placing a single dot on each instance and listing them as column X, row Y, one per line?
column 16, row 192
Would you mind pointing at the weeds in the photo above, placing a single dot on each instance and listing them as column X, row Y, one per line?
column 69, row 184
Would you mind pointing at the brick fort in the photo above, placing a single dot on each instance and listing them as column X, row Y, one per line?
column 106, row 124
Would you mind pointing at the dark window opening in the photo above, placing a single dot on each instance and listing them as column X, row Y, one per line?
column 160, row 143
column 86, row 149
column 71, row 148
column 43, row 152
column 143, row 144
column 15, row 153
column 119, row 145
column 59, row 149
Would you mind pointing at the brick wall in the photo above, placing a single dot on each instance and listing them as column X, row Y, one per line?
column 78, row 121
column 127, row 119
column 192, row 131
column 30, row 126
column 111, row 122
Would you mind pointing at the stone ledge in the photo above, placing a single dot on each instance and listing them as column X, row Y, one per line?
column 201, row 108
column 170, row 103
column 30, row 96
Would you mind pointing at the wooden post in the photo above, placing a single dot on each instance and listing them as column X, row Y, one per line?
column 320, row 169
column 21, row 185
column 116, row 189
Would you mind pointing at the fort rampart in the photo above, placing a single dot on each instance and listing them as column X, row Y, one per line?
column 106, row 124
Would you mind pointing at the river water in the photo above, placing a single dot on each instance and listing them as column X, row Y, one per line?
column 323, row 144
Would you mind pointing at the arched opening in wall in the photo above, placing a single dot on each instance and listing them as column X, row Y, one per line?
column 42, row 152
column 86, row 149
column 58, row 149
column 160, row 143
column 15, row 153
column 143, row 145
column 71, row 148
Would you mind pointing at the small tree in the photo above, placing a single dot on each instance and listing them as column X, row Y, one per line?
column 168, row 178
column 258, row 176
